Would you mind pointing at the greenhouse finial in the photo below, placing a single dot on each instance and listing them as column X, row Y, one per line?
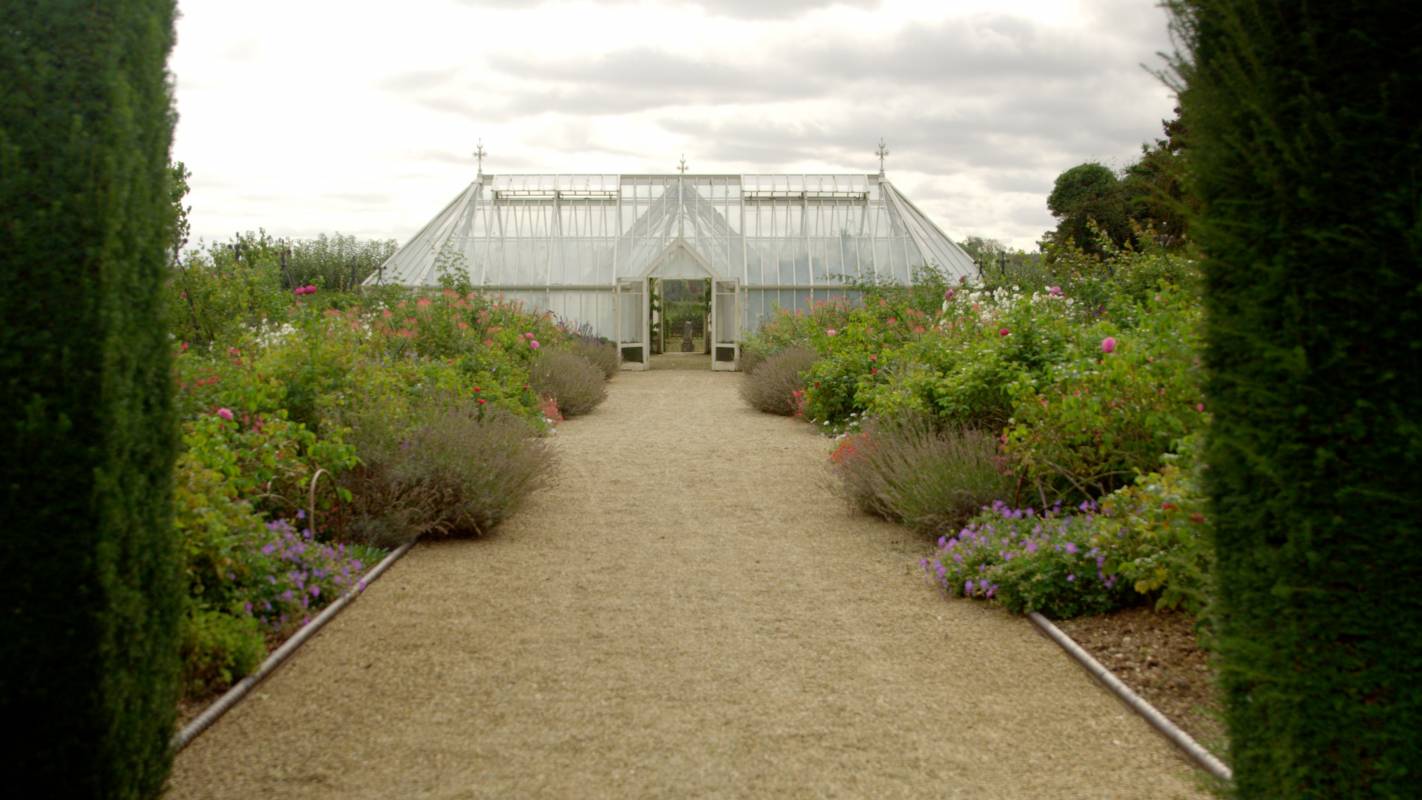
column 479, row 154
column 682, row 166
column 882, row 153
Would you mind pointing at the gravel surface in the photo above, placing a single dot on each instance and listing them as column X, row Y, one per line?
column 687, row 611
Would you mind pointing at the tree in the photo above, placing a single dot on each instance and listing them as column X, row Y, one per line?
column 1154, row 187
column 92, row 593
column 1305, row 148
column 177, row 192
column 1085, row 194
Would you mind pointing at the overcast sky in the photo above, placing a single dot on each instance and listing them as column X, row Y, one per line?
column 307, row 116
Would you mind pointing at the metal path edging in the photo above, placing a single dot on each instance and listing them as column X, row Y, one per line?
column 240, row 689
column 1204, row 758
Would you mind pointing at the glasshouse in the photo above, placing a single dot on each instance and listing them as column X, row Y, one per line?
column 615, row 254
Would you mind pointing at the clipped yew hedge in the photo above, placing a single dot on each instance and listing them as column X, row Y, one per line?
column 1305, row 145
column 92, row 590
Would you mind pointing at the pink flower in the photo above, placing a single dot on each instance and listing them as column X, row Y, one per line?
column 1200, row 407
column 1108, row 345
column 830, row 331
column 1003, row 332
column 528, row 336
column 949, row 295
column 533, row 343
column 1054, row 291
column 225, row 413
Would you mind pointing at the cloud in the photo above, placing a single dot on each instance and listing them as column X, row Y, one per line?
column 743, row 9
column 980, row 110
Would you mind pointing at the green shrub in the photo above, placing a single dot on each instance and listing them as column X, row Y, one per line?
column 930, row 480
column 216, row 527
column 92, row 595
column 335, row 262
column 777, row 384
column 574, row 382
column 1094, row 421
column 599, row 353
column 1158, row 538
column 267, row 460
column 217, row 650
column 214, row 296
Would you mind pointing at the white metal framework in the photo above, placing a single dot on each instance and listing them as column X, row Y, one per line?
column 583, row 246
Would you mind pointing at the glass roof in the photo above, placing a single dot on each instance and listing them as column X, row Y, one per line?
column 588, row 231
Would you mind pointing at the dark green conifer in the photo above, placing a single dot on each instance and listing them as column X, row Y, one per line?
column 91, row 593
column 1306, row 155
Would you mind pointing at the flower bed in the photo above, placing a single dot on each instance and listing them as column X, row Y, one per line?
column 320, row 429
column 1090, row 386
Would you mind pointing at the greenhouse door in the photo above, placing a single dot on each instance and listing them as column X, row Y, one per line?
column 726, row 326
column 630, row 310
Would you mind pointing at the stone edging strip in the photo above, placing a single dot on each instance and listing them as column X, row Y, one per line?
column 239, row 690
column 1204, row 758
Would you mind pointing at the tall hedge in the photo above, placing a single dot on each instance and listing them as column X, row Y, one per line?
column 1306, row 152
column 90, row 587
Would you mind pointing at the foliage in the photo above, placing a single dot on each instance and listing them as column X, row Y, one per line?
column 218, row 649
column 599, row 352
column 928, row 479
column 983, row 344
column 92, row 595
column 1093, row 420
column 777, row 385
column 295, row 575
column 1158, row 535
column 1154, row 188
column 1085, row 194
column 451, row 467
column 335, row 262
column 265, row 459
column 1029, row 561
column 178, row 176
column 1304, row 154
column 343, row 408
column 214, row 296
column 574, row 382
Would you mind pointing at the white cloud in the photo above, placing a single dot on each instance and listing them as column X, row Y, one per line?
column 319, row 116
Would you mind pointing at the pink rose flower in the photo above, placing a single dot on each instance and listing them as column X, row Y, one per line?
column 1108, row 345
column 533, row 343
column 225, row 413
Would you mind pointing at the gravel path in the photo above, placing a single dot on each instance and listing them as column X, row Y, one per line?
column 688, row 611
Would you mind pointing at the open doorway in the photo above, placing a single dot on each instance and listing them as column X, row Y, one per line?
column 681, row 319
column 677, row 315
